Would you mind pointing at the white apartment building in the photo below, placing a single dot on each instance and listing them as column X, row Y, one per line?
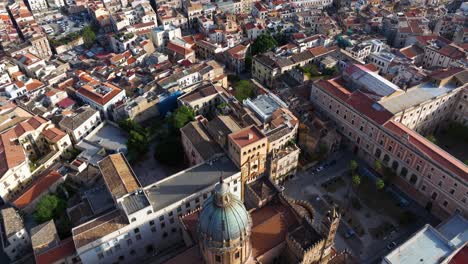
column 381, row 60
column 56, row 3
column 163, row 34
column 37, row 5
column 320, row 4
column 15, row 239
column 80, row 123
column 101, row 96
column 146, row 220
column 12, row 90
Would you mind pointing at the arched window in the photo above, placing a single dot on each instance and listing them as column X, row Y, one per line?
column 413, row 179
column 404, row 172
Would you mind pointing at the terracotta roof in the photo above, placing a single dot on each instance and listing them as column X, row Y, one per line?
column 178, row 49
column 88, row 92
column 367, row 106
column 429, row 149
column 53, row 134
column 63, row 250
column 40, row 186
column 33, row 85
column 118, row 175
column 411, row 51
column 65, row 103
column 11, row 153
column 357, row 100
column 461, row 257
column 238, row 51
column 247, row 136
column 31, row 124
column 270, row 224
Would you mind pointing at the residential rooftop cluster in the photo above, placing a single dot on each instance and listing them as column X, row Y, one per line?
column 195, row 131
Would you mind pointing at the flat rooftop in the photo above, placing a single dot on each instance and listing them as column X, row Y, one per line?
column 264, row 105
column 414, row 96
column 190, row 181
column 455, row 229
column 111, row 138
column 426, row 246
column 135, row 202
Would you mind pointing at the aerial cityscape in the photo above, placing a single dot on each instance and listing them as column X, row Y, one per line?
column 234, row 131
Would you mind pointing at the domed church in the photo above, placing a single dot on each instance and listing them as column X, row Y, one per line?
column 224, row 228
column 261, row 227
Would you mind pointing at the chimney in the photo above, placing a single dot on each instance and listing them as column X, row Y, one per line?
column 250, row 136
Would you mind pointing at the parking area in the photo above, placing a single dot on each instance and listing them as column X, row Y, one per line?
column 58, row 26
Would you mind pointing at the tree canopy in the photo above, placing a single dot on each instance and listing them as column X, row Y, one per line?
column 353, row 165
column 379, row 184
column 356, row 180
column 263, row 43
column 243, row 89
column 182, row 116
column 89, row 37
column 49, row 207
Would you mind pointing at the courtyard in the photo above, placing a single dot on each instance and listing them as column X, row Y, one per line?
column 372, row 217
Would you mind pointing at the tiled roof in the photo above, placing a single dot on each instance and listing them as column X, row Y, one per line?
column 31, row 124
column 429, row 149
column 118, row 175
column 65, row 103
column 53, row 134
column 44, row 236
column 98, row 228
column 88, row 92
column 11, row 153
column 63, row 250
column 178, row 49
column 38, row 187
column 12, row 221
column 201, row 140
column 247, row 136
column 81, row 116
column 201, row 92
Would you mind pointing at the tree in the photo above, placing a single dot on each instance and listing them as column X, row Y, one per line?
column 353, row 165
column 49, row 207
column 137, row 145
column 182, row 116
column 281, row 39
column 263, row 43
column 356, row 180
column 377, row 165
column 89, row 37
column 243, row 90
column 330, row 71
column 379, row 184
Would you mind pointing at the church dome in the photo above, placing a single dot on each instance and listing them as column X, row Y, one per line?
column 223, row 219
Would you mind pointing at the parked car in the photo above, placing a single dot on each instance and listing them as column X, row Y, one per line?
column 391, row 246
column 350, row 233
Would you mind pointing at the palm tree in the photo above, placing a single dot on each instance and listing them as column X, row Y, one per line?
column 356, row 180
column 353, row 165
column 379, row 184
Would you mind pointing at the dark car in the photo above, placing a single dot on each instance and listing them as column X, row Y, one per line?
column 391, row 246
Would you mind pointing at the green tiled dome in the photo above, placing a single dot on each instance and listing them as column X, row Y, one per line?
column 223, row 217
